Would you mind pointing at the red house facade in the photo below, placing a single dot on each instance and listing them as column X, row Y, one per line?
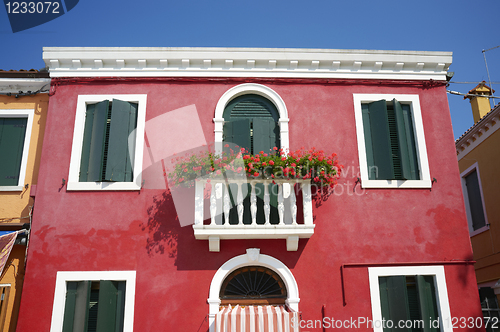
column 115, row 247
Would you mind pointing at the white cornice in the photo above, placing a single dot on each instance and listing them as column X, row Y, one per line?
column 16, row 85
column 245, row 62
column 489, row 124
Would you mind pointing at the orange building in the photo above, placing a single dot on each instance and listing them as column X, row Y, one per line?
column 23, row 109
column 478, row 155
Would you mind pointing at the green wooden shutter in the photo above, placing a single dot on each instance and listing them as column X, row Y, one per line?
column 12, row 135
column 406, row 141
column 106, row 314
column 264, row 132
column 69, row 307
column 118, row 162
column 377, row 138
column 238, row 132
column 93, row 142
column 427, row 300
column 120, row 306
column 394, row 300
column 76, row 309
column 475, row 201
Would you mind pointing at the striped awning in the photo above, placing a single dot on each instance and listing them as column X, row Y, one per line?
column 256, row 319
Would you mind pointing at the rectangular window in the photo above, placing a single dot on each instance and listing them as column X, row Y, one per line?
column 94, row 301
column 409, row 298
column 474, row 202
column 15, row 133
column 94, row 306
column 489, row 306
column 108, row 143
column 391, row 141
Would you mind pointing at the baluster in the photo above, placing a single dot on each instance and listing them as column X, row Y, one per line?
column 227, row 205
column 253, row 205
column 213, row 204
column 240, row 205
column 307, row 203
column 281, row 206
column 267, row 207
column 293, row 204
column 199, row 198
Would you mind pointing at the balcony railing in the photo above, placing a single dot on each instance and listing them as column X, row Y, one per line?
column 253, row 209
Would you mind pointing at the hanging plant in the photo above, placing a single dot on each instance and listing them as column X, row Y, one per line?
column 312, row 164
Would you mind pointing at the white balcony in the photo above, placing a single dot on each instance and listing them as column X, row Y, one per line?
column 253, row 209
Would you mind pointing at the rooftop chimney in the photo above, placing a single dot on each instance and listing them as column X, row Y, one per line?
column 480, row 102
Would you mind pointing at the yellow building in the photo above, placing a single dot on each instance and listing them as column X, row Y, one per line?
column 478, row 152
column 23, row 110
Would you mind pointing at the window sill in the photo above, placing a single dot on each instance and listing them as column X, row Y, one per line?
column 479, row 231
column 11, row 188
column 391, row 184
column 104, row 186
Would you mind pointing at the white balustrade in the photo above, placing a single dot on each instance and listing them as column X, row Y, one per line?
column 247, row 222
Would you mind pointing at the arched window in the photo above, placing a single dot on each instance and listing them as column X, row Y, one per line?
column 253, row 285
column 251, row 121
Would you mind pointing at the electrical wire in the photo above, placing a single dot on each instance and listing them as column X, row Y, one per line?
column 471, row 82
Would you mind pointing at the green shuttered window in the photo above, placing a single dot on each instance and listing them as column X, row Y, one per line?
column 94, row 306
column 107, row 143
column 475, row 200
column 12, row 136
column 251, row 121
column 409, row 299
column 390, row 141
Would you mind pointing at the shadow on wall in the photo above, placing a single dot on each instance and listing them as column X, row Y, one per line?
column 163, row 226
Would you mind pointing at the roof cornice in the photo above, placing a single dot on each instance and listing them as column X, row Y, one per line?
column 245, row 62
column 24, row 85
column 478, row 133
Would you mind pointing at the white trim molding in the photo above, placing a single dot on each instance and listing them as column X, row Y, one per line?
column 486, row 226
column 61, row 287
column 418, row 128
column 441, row 291
column 251, row 88
column 20, row 113
column 252, row 257
column 76, row 151
column 245, row 62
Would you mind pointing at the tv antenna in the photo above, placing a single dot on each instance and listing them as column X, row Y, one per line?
column 488, row 72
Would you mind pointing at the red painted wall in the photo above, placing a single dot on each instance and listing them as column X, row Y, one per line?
column 93, row 231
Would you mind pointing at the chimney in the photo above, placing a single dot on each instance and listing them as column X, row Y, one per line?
column 480, row 104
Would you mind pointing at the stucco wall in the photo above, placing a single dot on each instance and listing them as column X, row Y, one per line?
column 139, row 231
column 487, row 244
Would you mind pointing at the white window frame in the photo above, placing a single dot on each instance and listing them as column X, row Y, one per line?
column 76, row 151
column 486, row 226
column 418, row 129
column 20, row 113
column 441, row 291
column 63, row 277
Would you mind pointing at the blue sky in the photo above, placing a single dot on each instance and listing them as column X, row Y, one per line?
column 458, row 26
